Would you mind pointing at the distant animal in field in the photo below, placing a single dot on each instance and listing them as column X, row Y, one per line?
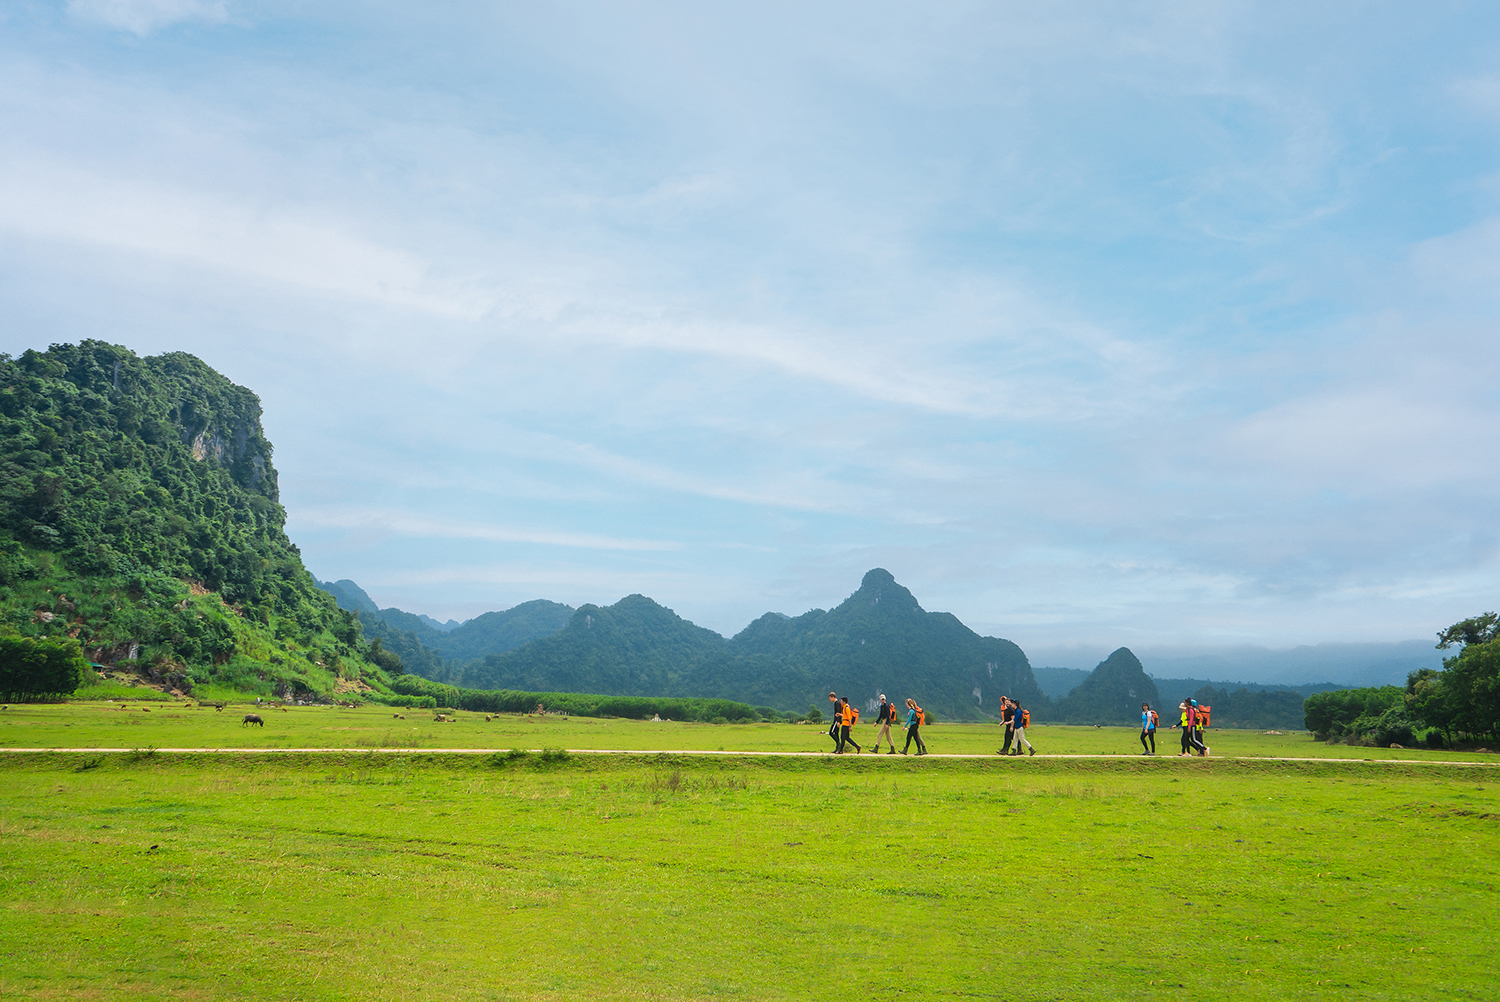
column 488, row 718
column 284, row 709
column 145, row 709
column 397, row 716
column 218, row 707
column 252, row 718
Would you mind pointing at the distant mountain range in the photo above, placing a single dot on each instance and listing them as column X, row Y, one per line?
column 879, row 639
column 1332, row 665
column 491, row 633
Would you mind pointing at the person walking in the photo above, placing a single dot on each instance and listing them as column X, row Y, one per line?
column 914, row 727
column 1199, row 721
column 846, row 723
column 1018, row 725
column 1148, row 729
column 883, row 721
column 1007, row 721
column 835, row 719
column 1187, row 732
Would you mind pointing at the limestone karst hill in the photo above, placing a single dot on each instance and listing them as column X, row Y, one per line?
column 877, row 640
column 139, row 515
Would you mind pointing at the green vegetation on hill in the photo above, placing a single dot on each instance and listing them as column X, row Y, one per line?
column 501, row 632
column 878, row 640
column 1112, row 694
column 139, row 516
column 443, row 652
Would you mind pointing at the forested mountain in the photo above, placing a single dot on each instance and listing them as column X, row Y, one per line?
column 878, row 640
column 139, row 515
column 1112, row 694
column 490, row 633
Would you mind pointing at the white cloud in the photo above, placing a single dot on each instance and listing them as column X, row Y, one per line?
column 63, row 202
column 142, row 17
column 405, row 523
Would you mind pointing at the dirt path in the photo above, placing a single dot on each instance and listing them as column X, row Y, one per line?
column 710, row 754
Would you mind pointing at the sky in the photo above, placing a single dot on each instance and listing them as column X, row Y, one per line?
column 1095, row 324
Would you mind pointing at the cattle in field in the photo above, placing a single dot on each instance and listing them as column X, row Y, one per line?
column 252, row 718
column 397, row 716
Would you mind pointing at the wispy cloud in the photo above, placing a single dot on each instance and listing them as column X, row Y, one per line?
column 1140, row 322
column 142, row 17
column 408, row 524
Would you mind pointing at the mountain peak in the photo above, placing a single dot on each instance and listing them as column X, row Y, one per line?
column 880, row 589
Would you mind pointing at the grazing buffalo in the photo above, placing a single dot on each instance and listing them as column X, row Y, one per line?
column 252, row 718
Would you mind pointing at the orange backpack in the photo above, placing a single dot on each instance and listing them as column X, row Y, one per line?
column 1203, row 712
column 1025, row 717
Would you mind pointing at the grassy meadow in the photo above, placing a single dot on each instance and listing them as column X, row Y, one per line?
column 430, row 876
column 183, row 724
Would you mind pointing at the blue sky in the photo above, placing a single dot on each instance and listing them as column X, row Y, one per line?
column 1150, row 324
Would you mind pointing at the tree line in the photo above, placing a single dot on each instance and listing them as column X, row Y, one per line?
column 1458, row 705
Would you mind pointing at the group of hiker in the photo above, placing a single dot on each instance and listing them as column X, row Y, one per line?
column 846, row 715
column 1192, row 717
column 1013, row 717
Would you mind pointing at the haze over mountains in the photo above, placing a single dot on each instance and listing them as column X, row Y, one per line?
column 1342, row 664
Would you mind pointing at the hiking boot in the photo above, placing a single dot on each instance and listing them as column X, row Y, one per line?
column 1033, row 751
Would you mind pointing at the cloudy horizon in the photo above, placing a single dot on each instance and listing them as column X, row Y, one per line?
column 1168, row 326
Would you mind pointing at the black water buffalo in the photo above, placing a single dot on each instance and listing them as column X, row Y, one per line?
column 252, row 718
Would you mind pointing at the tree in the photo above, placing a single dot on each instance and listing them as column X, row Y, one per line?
column 37, row 668
column 1474, row 630
column 1464, row 697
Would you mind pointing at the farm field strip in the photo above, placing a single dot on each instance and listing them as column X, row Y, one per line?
column 463, row 877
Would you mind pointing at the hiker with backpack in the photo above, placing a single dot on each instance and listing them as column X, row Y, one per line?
column 849, row 716
column 883, row 721
column 914, row 718
column 1020, row 720
column 1148, row 729
column 1190, row 742
column 835, row 719
column 1007, row 721
column 1200, row 724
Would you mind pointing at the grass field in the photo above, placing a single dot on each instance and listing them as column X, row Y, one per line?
column 186, row 725
column 431, row 876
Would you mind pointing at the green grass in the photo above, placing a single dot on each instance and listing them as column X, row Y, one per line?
column 181, row 724
column 428, row 876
